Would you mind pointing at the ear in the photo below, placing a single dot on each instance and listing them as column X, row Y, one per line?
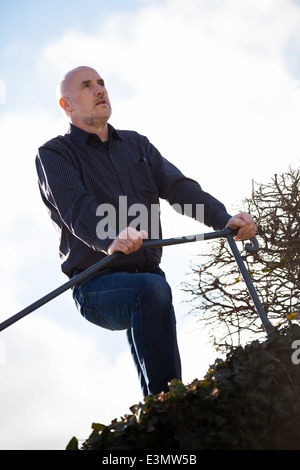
column 64, row 103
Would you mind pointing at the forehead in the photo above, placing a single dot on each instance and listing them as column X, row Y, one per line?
column 80, row 75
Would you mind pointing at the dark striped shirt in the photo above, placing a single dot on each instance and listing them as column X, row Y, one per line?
column 82, row 179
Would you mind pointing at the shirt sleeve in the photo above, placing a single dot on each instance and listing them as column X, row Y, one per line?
column 67, row 198
column 180, row 190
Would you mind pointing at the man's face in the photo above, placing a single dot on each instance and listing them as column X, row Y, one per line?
column 87, row 98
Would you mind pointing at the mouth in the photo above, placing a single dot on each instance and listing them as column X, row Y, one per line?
column 99, row 102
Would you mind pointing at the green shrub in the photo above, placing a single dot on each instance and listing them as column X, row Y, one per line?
column 250, row 400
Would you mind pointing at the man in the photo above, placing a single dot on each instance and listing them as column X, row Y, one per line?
column 93, row 181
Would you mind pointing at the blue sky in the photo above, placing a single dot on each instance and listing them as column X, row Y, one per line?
column 28, row 26
column 215, row 85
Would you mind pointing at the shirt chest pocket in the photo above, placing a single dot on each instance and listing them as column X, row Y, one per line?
column 141, row 181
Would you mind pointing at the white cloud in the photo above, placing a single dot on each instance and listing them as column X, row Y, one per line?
column 56, row 382
column 206, row 81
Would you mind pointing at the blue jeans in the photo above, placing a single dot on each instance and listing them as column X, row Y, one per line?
column 141, row 304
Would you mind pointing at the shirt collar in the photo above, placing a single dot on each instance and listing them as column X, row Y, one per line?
column 80, row 137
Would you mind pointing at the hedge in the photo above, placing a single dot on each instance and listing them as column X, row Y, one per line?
column 248, row 401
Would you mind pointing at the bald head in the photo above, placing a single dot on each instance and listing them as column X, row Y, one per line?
column 83, row 97
column 63, row 87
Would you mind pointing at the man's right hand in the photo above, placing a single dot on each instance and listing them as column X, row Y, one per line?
column 128, row 241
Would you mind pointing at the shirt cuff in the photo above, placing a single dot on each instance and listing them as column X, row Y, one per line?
column 220, row 220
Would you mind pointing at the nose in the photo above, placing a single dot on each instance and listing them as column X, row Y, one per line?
column 99, row 90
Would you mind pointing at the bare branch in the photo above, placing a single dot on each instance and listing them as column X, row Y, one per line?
column 218, row 295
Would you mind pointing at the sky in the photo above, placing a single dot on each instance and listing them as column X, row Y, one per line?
column 215, row 86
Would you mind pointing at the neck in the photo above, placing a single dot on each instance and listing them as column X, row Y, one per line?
column 102, row 133
column 101, row 130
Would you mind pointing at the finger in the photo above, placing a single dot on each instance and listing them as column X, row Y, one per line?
column 246, row 232
column 129, row 240
column 125, row 245
column 235, row 223
column 144, row 234
column 131, row 234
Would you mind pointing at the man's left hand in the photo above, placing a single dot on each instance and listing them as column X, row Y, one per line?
column 245, row 225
